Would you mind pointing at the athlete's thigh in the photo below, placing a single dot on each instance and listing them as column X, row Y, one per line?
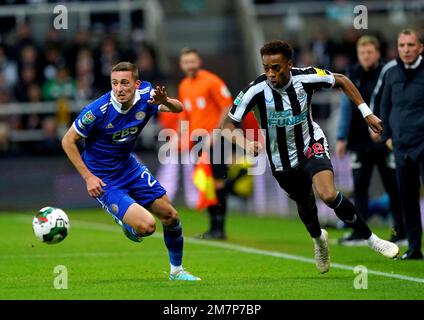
column 116, row 201
column 121, row 205
column 145, row 188
column 318, row 168
column 323, row 182
column 136, row 216
column 297, row 185
column 164, row 210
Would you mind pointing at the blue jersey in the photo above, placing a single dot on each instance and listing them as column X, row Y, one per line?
column 110, row 134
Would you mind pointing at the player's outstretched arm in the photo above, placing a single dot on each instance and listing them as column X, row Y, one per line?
column 354, row 95
column 230, row 132
column 166, row 104
column 69, row 145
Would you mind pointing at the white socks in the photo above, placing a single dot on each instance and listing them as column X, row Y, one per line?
column 175, row 269
column 321, row 238
column 372, row 239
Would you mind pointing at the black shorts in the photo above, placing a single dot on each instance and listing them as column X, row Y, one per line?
column 297, row 182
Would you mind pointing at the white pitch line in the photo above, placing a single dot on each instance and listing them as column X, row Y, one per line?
column 239, row 248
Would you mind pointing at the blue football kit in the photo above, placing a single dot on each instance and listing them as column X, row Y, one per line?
column 110, row 135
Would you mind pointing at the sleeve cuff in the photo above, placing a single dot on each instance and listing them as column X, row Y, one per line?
column 79, row 132
column 233, row 118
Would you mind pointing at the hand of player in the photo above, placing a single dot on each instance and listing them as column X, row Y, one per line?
column 159, row 96
column 374, row 123
column 253, row 148
column 341, row 148
column 375, row 136
column 94, row 186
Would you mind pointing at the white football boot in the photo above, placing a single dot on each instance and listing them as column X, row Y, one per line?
column 384, row 247
column 322, row 256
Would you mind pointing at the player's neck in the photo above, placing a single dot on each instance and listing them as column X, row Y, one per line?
column 127, row 105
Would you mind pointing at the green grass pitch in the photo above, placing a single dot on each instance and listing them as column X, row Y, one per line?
column 264, row 258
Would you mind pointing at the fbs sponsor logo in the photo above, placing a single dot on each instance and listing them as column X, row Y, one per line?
column 88, row 118
column 125, row 135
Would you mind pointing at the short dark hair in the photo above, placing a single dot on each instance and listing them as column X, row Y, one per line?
column 187, row 50
column 126, row 66
column 278, row 47
column 409, row 31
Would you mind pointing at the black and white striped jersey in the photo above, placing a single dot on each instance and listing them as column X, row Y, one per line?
column 285, row 114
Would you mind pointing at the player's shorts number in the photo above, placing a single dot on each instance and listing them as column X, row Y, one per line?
column 151, row 182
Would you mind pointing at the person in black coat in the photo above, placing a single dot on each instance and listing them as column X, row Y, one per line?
column 353, row 135
column 402, row 112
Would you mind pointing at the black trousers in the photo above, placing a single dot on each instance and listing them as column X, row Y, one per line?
column 363, row 161
column 408, row 174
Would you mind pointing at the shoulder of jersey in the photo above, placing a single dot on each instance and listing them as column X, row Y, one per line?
column 308, row 70
column 259, row 79
column 100, row 105
column 144, row 90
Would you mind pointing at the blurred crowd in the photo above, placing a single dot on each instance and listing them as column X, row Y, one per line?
column 78, row 68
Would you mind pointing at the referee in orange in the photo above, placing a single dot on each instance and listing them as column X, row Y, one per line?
column 206, row 101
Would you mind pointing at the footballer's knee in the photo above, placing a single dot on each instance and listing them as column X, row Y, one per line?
column 170, row 217
column 145, row 228
column 327, row 196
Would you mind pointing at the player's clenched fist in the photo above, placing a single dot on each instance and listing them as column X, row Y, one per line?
column 94, row 186
column 374, row 123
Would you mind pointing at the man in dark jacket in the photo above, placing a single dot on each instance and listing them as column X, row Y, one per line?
column 402, row 111
column 354, row 135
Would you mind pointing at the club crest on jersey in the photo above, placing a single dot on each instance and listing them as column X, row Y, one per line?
column 88, row 118
column 109, row 126
column 140, row 115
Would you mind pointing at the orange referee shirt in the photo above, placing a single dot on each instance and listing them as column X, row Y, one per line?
column 204, row 98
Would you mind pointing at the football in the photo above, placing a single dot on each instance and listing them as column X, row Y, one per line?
column 51, row 225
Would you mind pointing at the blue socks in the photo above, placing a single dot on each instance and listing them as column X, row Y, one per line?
column 174, row 240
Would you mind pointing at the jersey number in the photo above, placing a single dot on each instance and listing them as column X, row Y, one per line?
column 149, row 178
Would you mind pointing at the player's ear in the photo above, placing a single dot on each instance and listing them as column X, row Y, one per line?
column 137, row 83
column 290, row 64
